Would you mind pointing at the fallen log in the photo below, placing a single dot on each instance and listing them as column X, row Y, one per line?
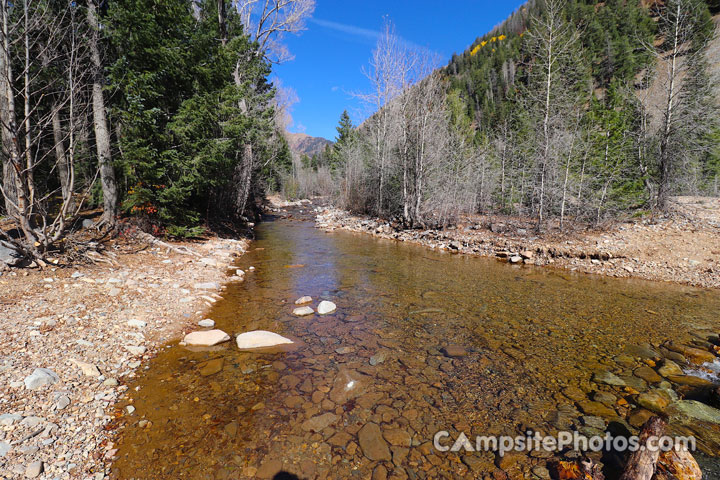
column 641, row 464
column 146, row 237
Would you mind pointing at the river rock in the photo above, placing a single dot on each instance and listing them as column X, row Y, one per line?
column 303, row 311
column 260, row 339
column 690, row 380
column 454, row 351
column 348, row 384
column 206, row 323
column 4, row 448
column 694, row 355
column 206, row 338
column 647, row 374
column 207, row 286
column 136, row 349
column 319, row 422
column 670, row 368
column 372, row 443
column 88, row 369
column 211, row 367
column 684, row 410
column 8, row 419
column 639, row 416
column 608, row 378
column 326, row 307
column 40, row 377
column 135, row 323
column 397, row 437
column 653, row 401
column 303, row 300
column 596, row 409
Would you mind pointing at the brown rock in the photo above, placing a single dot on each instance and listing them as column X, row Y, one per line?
column 690, row 380
column 653, row 401
column 372, row 443
column 454, row 351
column 348, row 384
column 340, row 439
column 211, row 367
column 269, row 468
column 647, row 374
column 639, row 416
column 319, row 422
column 397, row 437
column 695, row 355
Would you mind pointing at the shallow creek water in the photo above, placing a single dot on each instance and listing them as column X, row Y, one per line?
column 533, row 339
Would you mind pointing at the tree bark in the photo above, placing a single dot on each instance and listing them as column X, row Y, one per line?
column 102, row 133
column 641, row 464
column 61, row 156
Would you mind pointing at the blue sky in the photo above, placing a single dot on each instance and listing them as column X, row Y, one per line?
column 330, row 54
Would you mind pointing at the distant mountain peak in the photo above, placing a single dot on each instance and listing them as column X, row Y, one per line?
column 304, row 144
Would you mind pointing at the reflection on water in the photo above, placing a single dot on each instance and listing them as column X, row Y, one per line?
column 523, row 343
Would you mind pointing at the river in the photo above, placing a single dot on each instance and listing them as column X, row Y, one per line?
column 428, row 341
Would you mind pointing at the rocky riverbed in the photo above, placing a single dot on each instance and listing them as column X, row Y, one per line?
column 682, row 248
column 72, row 338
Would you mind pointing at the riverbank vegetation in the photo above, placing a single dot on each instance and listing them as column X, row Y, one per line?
column 575, row 111
column 157, row 109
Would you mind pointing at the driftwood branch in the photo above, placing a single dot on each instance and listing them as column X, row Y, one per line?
column 642, row 463
column 146, row 237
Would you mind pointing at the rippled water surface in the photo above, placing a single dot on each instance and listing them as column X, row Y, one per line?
column 533, row 338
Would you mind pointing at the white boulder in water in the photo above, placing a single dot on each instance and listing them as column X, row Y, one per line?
column 260, row 339
column 206, row 338
column 303, row 311
column 326, row 307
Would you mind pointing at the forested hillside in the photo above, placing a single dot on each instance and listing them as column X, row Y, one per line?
column 573, row 110
column 156, row 109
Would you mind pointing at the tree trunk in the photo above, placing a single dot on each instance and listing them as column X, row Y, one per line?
column 60, row 155
column 102, row 133
column 641, row 464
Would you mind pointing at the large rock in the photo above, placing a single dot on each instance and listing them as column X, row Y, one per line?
column 9, row 254
column 207, row 286
column 608, row 378
column 653, row 401
column 206, row 338
column 647, row 374
column 670, row 368
column 41, row 377
column 326, row 307
column 260, row 339
column 695, row 355
column 88, row 369
column 373, row 444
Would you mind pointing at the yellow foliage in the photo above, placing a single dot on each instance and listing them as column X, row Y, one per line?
column 483, row 43
column 493, row 39
column 502, row 37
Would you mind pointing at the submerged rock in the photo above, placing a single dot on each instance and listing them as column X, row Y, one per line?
column 670, row 368
column 303, row 300
column 326, row 307
column 372, row 443
column 609, row 379
column 207, row 338
column 319, row 422
column 260, row 339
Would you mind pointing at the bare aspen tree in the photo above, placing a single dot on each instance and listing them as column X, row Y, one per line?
column 685, row 85
column 552, row 41
column 100, row 122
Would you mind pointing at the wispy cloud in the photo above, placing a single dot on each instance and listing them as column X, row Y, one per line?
column 363, row 34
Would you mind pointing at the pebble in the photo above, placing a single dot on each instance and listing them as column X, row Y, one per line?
column 136, row 349
column 4, row 448
column 133, row 322
column 62, row 402
column 260, row 339
column 303, row 300
column 207, row 323
column 372, row 443
column 34, row 469
column 88, row 369
column 110, row 382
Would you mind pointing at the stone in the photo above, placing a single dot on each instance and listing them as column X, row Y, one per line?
column 692, row 410
column 206, row 323
column 9, row 255
column 269, row 468
column 62, row 402
column 40, row 377
column 88, row 369
column 690, row 380
column 377, row 358
column 608, row 378
column 605, row 398
column 326, row 307
column 454, row 351
column 639, row 416
column 136, row 349
column 348, row 384
column 207, row 286
column 541, row 472
column 303, row 311
column 260, row 339
column 319, row 422
column 130, row 409
column 206, row 338
column 653, row 401
column 694, row 355
column 8, row 419
column 670, row 368
column 134, row 322
column 303, row 300
column 4, row 448
column 211, row 367
column 594, row 422
column 340, row 439
column 110, row 382
column 372, row 443
column 397, row 437
column 34, row 469
column 647, row 374
column 596, row 409
column 515, row 259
